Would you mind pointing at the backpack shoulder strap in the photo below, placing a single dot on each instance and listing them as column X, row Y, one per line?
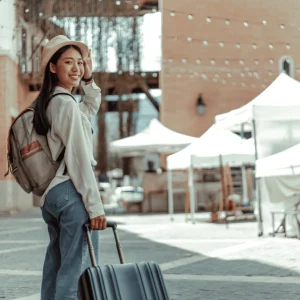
column 32, row 106
column 62, row 94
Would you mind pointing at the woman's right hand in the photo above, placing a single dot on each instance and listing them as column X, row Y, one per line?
column 98, row 223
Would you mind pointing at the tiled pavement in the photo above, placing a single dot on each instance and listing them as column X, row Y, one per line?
column 201, row 261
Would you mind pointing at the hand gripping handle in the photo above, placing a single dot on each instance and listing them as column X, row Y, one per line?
column 112, row 225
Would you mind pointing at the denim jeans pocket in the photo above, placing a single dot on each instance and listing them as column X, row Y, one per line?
column 58, row 196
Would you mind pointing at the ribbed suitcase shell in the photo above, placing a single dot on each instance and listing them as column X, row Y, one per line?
column 132, row 281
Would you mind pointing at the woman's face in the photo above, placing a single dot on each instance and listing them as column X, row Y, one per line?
column 69, row 69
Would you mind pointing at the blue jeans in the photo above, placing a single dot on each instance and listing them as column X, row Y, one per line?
column 67, row 254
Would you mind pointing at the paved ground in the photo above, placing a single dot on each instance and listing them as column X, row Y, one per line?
column 201, row 261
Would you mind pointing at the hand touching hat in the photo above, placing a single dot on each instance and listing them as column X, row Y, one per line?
column 58, row 42
column 88, row 66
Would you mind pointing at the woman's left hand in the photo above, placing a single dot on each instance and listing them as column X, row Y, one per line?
column 88, row 66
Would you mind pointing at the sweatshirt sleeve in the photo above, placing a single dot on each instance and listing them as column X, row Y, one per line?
column 67, row 125
column 91, row 100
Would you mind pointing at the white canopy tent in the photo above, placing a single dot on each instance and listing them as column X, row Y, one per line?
column 285, row 163
column 156, row 138
column 283, row 91
column 275, row 119
column 214, row 148
column 207, row 146
column 280, row 173
column 280, row 181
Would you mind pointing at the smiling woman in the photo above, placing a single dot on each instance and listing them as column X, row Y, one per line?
column 69, row 68
column 72, row 197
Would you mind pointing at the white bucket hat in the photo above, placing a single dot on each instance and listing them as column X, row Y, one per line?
column 58, row 42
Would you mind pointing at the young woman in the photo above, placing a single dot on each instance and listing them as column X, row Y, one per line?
column 72, row 198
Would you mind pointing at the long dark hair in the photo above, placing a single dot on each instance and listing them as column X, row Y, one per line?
column 40, row 122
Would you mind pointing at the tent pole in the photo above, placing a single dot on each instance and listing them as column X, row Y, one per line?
column 170, row 195
column 187, row 200
column 223, row 187
column 244, row 185
column 192, row 192
column 244, row 182
column 260, row 220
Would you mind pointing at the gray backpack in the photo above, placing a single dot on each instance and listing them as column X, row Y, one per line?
column 28, row 154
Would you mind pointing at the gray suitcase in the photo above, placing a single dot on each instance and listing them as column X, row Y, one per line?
column 131, row 281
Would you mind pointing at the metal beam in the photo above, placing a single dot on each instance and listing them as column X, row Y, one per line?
column 145, row 88
column 91, row 8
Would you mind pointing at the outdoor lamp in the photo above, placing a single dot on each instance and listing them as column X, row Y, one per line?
column 200, row 105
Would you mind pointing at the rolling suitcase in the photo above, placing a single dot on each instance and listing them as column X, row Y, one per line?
column 125, row 281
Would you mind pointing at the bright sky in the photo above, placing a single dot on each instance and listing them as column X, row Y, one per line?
column 7, row 23
column 152, row 42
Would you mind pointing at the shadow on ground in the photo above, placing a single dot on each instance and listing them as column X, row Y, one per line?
column 140, row 249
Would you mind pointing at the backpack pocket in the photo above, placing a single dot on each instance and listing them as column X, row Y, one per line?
column 17, row 170
column 21, row 180
column 39, row 165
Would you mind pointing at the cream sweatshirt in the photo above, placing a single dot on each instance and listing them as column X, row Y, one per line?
column 71, row 128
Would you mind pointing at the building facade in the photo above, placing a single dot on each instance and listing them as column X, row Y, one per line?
column 17, row 39
column 226, row 52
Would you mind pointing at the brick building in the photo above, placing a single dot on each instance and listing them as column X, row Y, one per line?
column 17, row 38
column 228, row 51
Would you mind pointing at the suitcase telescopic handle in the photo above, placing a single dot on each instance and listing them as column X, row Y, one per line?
column 112, row 225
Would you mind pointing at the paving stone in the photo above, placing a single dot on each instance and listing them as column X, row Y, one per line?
column 155, row 238
column 13, row 287
column 206, row 290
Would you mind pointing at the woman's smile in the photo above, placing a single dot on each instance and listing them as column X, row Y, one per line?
column 75, row 77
